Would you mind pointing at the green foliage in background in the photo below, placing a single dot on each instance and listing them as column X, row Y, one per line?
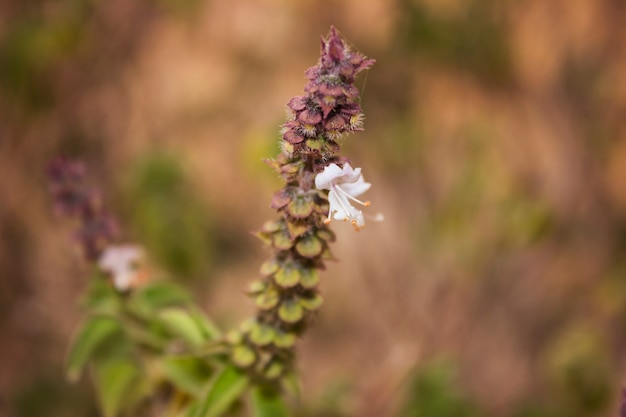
column 534, row 410
column 580, row 383
column 33, row 46
column 155, row 340
column 140, row 343
column 471, row 40
column 480, row 216
column 169, row 216
column 580, row 371
column 51, row 396
column 434, row 392
column 333, row 401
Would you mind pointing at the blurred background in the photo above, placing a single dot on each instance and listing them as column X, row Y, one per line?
column 495, row 142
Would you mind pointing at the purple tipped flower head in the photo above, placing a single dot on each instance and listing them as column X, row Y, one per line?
column 330, row 108
column 74, row 199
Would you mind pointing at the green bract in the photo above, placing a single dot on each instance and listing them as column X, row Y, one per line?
column 287, row 276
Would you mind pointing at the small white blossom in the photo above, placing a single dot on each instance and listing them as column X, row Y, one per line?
column 121, row 263
column 344, row 185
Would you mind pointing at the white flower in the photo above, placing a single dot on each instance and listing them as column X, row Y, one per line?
column 121, row 262
column 344, row 184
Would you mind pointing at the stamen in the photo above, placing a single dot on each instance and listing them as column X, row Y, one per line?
column 363, row 203
column 343, row 203
column 355, row 225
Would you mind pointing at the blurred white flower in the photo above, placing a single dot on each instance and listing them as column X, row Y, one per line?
column 121, row 263
column 344, row 185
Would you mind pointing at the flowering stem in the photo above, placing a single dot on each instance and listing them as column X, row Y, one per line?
column 287, row 295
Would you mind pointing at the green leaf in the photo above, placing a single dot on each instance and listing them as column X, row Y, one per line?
column 158, row 295
column 267, row 403
column 149, row 335
column 208, row 328
column 169, row 217
column 92, row 335
column 190, row 410
column 182, row 323
column 189, row 374
column 101, row 297
column 223, row 392
column 117, row 385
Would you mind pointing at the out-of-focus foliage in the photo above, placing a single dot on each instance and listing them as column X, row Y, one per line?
column 137, row 345
column 534, row 410
column 333, row 401
column 434, row 393
column 511, row 217
column 49, row 396
column 580, row 371
column 495, row 143
column 32, row 47
column 471, row 40
column 266, row 403
column 168, row 216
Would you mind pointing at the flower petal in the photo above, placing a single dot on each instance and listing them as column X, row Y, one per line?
column 119, row 261
column 335, row 206
column 344, row 185
column 324, row 179
column 357, row 188
column 350, row 175
column 123, row 279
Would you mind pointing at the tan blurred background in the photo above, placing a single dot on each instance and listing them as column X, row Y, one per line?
column 495, row 142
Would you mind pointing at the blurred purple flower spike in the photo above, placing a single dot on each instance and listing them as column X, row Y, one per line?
column 72, row 198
